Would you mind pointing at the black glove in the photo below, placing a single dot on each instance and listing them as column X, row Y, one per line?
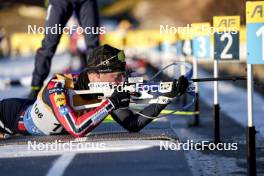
column 178, row 87
column 120, row 99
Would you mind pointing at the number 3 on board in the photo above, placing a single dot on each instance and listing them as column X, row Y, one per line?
column 201, row 40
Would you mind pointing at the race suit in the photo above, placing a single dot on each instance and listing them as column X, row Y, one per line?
column 52, row 113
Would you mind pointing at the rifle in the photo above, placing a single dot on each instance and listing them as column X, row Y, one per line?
column 141, row 92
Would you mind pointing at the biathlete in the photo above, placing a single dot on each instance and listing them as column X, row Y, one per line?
column 51, row 113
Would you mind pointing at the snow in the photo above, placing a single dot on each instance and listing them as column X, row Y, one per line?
column 233, row 101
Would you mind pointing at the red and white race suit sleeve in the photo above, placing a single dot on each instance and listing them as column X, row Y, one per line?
column 77, row 126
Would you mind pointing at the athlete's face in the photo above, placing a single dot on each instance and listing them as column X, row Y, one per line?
column 115, row 77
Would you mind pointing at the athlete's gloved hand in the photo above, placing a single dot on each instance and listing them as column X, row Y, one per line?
column 120, row 99
column 179, row 87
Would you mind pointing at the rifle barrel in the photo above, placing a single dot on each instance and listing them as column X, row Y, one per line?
column 225, row 78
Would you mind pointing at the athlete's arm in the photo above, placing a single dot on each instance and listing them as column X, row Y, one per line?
column 77, row 126
column 135, row 122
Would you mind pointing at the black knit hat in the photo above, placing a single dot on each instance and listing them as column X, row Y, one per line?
column 105, row 59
